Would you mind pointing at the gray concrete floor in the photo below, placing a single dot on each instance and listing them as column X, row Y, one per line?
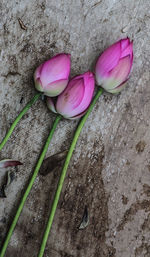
column 110, row 169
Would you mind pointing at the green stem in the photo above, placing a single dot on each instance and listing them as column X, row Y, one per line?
column 21, row 205
column 25, row 109
column 63, row 174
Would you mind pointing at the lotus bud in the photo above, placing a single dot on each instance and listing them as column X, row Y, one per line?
column 76, row 98
column 114, row 65
column 52, row 76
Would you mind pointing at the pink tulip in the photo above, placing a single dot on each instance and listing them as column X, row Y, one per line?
column 114, row 65
column 52, row 76
column 76, row 98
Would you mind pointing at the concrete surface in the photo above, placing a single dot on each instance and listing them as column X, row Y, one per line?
column 110, row 169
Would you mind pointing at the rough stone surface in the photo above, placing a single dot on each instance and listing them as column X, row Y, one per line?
column 110, row 169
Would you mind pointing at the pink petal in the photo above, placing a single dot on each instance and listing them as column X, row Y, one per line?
column 57, row 68
column 72, row 96
column 37, row 81
column 50, row 104
column 124, row 43
column 81, row 92
column 78, row 116
column 121, row 71
column 37, row 72
column 89, row 84
column 9, row 163
column 38, row 85
column 55, row 88
column 128, row 51
column 118, row 75
column 107, row 61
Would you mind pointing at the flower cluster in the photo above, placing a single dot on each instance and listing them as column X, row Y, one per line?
column 74, row 96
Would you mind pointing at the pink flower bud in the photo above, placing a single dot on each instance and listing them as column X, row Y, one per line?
column 114, row 65
column 52, row 76
column 76, row 98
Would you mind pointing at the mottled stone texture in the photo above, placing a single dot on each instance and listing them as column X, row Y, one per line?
column 110, row 169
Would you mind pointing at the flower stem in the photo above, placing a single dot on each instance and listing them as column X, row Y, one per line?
column 25, row 109
column 28, row 189
column 63, row 174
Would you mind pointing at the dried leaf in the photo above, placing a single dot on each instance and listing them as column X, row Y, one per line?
column 9, row 163
column 22, row 24
column 85, row 219
column 5, row 186
column 52, row 162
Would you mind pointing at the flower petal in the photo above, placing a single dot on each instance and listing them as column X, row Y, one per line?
column 128, row 51
column 9, row 163
column 37, row 81
column 118, row 89
column 118, row 75
column 50, row 104
column 121, row 71
column 77, row 96
column 37, row 72
column 124, row 43
column 78, row 116
column 107, row 61
column 55, row 88
column 72, row 96
column 57, row 68
column 38, row 85
column 89, row 85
